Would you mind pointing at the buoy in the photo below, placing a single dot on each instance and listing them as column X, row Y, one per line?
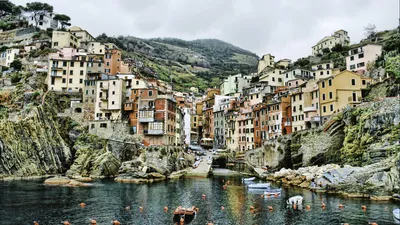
column 128, row 208
column 294, row 206
column 35, row 223
column 182, row 221
column 262, row 196
column 270, row 208
column 141, row 208
column 65, row 223
column 308, row 207
column 363, row 207
column 165, row 209
column 82, row 205
column 196, row 209
column 203, row 196
column 93, row 222
column 222, row 208
column 116, row 222
column 323, row 205
column 341, row 206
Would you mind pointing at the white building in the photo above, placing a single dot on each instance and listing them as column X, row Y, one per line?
column 186, row 125
column 324, row 70
column 296, row 74
column 358, row 58
column 45, row 21
column 234, row 84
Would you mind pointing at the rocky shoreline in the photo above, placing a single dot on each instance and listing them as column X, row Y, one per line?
column 379, row 181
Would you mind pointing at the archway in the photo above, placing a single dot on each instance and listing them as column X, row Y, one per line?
column 308, row 125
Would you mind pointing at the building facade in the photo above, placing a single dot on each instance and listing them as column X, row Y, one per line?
column 358, row 58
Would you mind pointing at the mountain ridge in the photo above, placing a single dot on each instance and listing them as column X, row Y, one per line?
column 198, row 63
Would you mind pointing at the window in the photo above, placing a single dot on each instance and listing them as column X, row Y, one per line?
column 64, row 63
column 273, row 78
column 150, row 93
column 331, row 107
column 279, row 80
column 71, row 72
column 330, row 95
column 40, row 23
column 324, row 108
column 72, row 64
column 330, row 82
column 81, row 64
column 70, row 81
column 81, row 81
column 353, row 82
column 351, row 58
column 64, row 72
column 108, row 64
column 112, row 102
column 361, row 55
column 103, row 125
column 363, row 82
column 300, row 107
column 316, row 104
column 327, row 72
column 352, row 67
column 323, row 96
column 360, row 65
column 113, row 92
column 87, row 92
column 81, row 72
column 300, row 96
column 323, row 84
column 321, row 73
column 294, row 108
column 64, row 80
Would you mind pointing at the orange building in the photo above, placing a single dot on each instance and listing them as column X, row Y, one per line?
column 113, row 60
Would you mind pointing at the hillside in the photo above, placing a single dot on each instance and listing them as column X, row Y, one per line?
column 200, row 63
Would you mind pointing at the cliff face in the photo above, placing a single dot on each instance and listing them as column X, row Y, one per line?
column 32, row 146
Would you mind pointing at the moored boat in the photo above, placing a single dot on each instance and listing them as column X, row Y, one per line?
column 188, row 215
column 396, row 214
column 273, row 192
column 249, row 179
column 259, row 186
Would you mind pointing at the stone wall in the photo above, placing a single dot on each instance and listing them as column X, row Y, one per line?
column 108, row 129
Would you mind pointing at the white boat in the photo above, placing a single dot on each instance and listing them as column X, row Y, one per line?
column 298, row 200
column 259, row 186
column 249, row 179
column 396, row 214
column 273, row 192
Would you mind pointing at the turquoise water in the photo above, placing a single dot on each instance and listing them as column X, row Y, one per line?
column 22, row 202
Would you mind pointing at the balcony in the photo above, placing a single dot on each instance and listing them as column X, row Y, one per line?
column 315, row 119
column 56, row 75
column 146, row 116
column 310, row 109
column 128, row 106
column 154, row 132
column 288, row 124
column 104, row 87
column 56, row 67
column 94, row 71
column 355, row 101
column 104, row 98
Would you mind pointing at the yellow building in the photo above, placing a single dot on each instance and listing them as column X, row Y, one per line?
column 311, row 104
column 297, row 100
column 67, row 70
column 340, row 90
column 64, row 39
column 83, row 36
column 339, row 37
column 266, row 60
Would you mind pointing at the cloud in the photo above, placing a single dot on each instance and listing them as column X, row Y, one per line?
column 285, row 28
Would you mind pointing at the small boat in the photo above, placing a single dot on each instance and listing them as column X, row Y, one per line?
column 259, row 186
column 396, row 214
column 249, row 179
column 298, row 200
column 273, row 192
column 188, row 214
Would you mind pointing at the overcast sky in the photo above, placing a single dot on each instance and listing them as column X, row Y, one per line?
column 285, row 28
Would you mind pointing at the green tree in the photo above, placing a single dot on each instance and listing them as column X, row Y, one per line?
column 393, row 66
column 63, row 19
column 16, row 64
column 392, row 44
column 337, row 48
column 6, row 7
column 325, row 51
column 38, row 9
column 370, row 31
column 17, row 10
column 303, row 63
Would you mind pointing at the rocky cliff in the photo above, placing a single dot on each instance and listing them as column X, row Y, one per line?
column 357, row 137
column 33, row 146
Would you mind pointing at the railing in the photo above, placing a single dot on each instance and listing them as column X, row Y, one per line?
column 104, row 98
column 56, row 67
column 357, row 100
column 288, row 124
column 315, row 119
column 105, row 87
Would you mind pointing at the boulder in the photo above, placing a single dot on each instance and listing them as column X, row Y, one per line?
column 57, row 181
